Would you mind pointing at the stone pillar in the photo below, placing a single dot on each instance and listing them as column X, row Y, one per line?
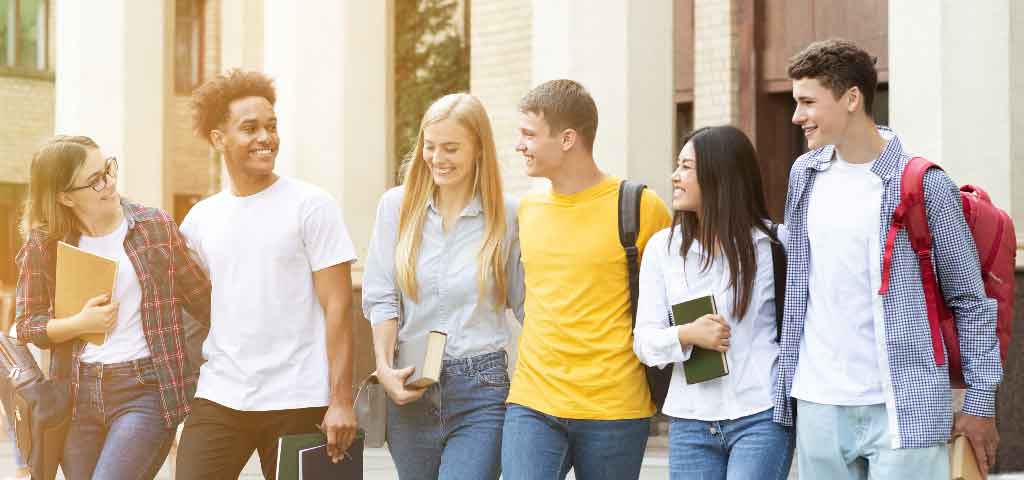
column 113, row 83
column 331, row 62
column 952, row 95
column 622, row 52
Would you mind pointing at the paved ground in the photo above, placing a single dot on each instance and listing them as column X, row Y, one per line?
column 378, row 466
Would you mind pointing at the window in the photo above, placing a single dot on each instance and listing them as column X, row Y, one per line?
column 23, row 35
column 11, row 197
column 188, row 45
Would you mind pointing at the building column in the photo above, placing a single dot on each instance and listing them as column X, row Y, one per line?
column 621, row 51
column 113, row 83
column 331, row 62
column 952, row 97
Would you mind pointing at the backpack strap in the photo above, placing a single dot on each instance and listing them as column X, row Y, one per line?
column 630, row 194
column 779, row 271
column 911, row 214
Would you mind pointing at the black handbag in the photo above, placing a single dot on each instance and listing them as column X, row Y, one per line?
column 37, row 407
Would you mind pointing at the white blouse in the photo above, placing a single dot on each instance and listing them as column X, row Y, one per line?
column 753, row 352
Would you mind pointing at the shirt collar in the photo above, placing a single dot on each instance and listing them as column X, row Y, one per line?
column 887, row 165
column 472, row 209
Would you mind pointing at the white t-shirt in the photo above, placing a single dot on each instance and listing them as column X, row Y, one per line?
column 839, row 363
column 127, row 340
column 266, row 349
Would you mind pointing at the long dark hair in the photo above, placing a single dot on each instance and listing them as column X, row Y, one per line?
column 731, row 204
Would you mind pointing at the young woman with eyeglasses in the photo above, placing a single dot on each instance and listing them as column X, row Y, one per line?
column 132, row 390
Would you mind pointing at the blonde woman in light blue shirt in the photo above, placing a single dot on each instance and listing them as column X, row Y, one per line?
column 445, row 256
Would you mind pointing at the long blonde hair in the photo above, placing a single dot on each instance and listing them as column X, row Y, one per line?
column 54, row 167
column 468, row 112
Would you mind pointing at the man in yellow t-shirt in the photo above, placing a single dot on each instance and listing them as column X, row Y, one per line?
column 579, row 397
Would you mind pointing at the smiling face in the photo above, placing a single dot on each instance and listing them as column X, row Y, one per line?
column 87, row 203
column 450, row 153
column 823, row 117
column 248, row 139
column 685, row 188
column 541, row 148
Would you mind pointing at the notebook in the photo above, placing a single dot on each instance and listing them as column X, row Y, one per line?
column 703, row 364
column 290, row 466
column 314, row 464
column 426, row 354
column 81, row 275
column 962, row 463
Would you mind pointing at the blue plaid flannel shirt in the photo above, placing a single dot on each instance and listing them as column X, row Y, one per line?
column 918, row 395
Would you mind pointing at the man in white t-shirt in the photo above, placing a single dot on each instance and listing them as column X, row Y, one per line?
column 871, row 400
column 279, row 351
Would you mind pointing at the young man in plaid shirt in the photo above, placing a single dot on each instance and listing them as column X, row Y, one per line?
column 871, row 402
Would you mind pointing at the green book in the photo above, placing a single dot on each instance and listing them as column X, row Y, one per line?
column 288, row 448
column 703, row 364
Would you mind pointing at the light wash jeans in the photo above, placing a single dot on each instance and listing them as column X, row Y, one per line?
column 839, row 443
column 745, row 448
column 453, row 431
column 538, row 446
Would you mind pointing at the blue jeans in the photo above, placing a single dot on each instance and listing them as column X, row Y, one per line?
column 747, row 447
column 542, row 447
column 454, row 430
column 18, row 461
column 838, row 442
column 118, row 430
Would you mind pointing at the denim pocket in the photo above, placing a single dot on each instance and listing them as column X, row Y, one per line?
column 146, row 375
column 494, row 378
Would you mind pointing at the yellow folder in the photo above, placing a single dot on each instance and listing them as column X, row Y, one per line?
column 82, row 275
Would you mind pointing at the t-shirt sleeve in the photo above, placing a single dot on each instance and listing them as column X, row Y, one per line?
column 654, row 217
column 189, row 228
column 325, row 236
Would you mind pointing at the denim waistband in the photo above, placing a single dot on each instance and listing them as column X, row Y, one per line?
column 479, row 363
column 99, row 369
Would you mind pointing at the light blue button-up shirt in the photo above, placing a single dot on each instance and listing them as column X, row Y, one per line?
column 446, row 274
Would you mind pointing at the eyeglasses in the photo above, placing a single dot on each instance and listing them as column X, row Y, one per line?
column 101, row 182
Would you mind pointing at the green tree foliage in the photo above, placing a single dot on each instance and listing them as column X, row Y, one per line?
column 431, row 60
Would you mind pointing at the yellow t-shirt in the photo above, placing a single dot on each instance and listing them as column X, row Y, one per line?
column 576, row 355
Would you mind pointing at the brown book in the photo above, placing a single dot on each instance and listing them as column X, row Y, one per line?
column 425, row 354
column 962, row 463
column 81, row 275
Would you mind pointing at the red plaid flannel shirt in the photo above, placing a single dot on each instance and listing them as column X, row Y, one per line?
column 170, row 279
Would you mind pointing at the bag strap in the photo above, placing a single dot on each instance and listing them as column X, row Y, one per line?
column 779, row 271
column 911, row 214
column 630, row 194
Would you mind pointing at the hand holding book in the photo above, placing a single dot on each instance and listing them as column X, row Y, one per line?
column 97, row 318
column 710, row 331
column 393, row 380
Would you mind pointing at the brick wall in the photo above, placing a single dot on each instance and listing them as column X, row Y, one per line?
column 716, row 70
column 29, row 104
column 500, row 72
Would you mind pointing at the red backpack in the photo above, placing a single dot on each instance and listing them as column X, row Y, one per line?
column 995, row 237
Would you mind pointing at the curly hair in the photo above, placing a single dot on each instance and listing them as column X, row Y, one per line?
column 838, row 64
column 211, row 100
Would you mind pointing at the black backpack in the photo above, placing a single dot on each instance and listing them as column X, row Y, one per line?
column 630, row 193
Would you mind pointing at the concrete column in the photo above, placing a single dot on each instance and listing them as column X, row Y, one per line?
column 241, row 26
column 113, row 83
column 951, row 96
column 715, row 63
column 500, row 74
column 622, row 52
column 331, row 62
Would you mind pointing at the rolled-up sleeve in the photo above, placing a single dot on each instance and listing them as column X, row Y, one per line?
column 380, row 290
column 34, row 295
column 655, row 342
